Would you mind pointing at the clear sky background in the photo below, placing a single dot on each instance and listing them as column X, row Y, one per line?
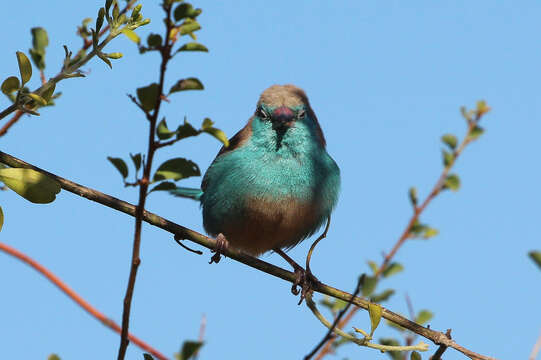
column 386, row 80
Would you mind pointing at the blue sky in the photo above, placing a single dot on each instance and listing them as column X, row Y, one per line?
column 386, row 81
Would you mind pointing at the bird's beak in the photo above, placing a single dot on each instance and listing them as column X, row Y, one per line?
column 282, row 118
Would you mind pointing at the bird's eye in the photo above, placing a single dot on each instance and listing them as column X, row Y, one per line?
column 301, row 114
column 263, row 114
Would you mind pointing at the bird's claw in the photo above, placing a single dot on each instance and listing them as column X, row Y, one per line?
column 306, row 281
column 221, row 246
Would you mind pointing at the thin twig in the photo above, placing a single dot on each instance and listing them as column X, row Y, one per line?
column 536, row 349
column 436, row 337
column 418, row 210
column 143, row 189
column 437, row 355
column 11, row 122
column 77, row 298
column 322, row 236
column 337, row 319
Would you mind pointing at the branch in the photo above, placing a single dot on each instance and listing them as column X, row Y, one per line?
column 418, row 210
column 77, row 298
column 11, row 122
column 436, row 337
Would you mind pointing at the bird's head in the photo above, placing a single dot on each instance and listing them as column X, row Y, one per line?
column 285, row 107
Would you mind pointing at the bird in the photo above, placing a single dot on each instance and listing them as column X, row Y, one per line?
column 275, row 184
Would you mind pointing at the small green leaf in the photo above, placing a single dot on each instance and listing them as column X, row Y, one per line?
column 115, row 55
column 369, row 285
column 189, row 349
column 99, row 19
column 450, row 140
column 413, row 196
column 384, row 296
column 186, row 84
column 415, row 356
column 185, row 10
column 166, row 185
column 448, row 158
column 482, row 108
column 163, row 131
column 429, row 233
column 374, row 310
column 207, row 123
column 40, row 40
column 105, row 60
column 30, row 184
column 193, row 46
column 148, row 96
column 131, row 35
column 53, row 357
column 452, row 182
column 10, row 85
column 218, row 134
column 24, row 67
column 373, row 266
column 47, row 94
column 186, row 130
column 176, row 169
column 1, row 218
column 536, row 257
column 188, row 27
column 120, row 165
column 423, row 317
column 154, row 40
column 147, row 357
column 392, row 269
column 417, row 228
column 475, row 132
column 136, row 160
column 38, row 99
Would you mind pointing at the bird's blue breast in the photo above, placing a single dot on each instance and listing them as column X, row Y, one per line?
column 294, row 171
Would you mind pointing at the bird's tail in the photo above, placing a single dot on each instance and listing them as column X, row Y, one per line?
column 189, row 193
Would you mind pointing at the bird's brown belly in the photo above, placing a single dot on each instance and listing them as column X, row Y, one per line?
column 271, row 224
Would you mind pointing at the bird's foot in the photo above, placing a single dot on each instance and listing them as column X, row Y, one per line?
column 221, row 246
column 305, row 280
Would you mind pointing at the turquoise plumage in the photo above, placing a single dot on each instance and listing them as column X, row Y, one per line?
column 275, row 184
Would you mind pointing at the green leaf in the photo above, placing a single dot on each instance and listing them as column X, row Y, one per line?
column 1, row 218
column 369, row 285
column 374, row 310
column 166, row 185
column 423, row 317
column 176, row 169
column 189, row 349
column 415, row 356
column 186, row 130
column 193, row 46
column 185, row 10
column 482, row 108
column 384, row 296
column 47, row 94
column 188, row 27
column 186, row 84
column 40, row 40
column 452, row 182
column 450, row 140
column 163, row 131
column 24, row 67
column 105, row 60
column 115, row 55
column 147, row 357
column 395, row 355
column 536, row 257
column 30, row 184
column 131, row 35
column 148, row 96
column 413, row 196
column 10, row 85
column 373, row 266
column 154, row 40
column 136, row 160
column 429, row 233
column 448, row 158
column 218, row 134
column 53, row 357
column 38, row 99
column 99, row 19
column 120, row 165
column 417, row 228
column 475, row 132
column 392, row 269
